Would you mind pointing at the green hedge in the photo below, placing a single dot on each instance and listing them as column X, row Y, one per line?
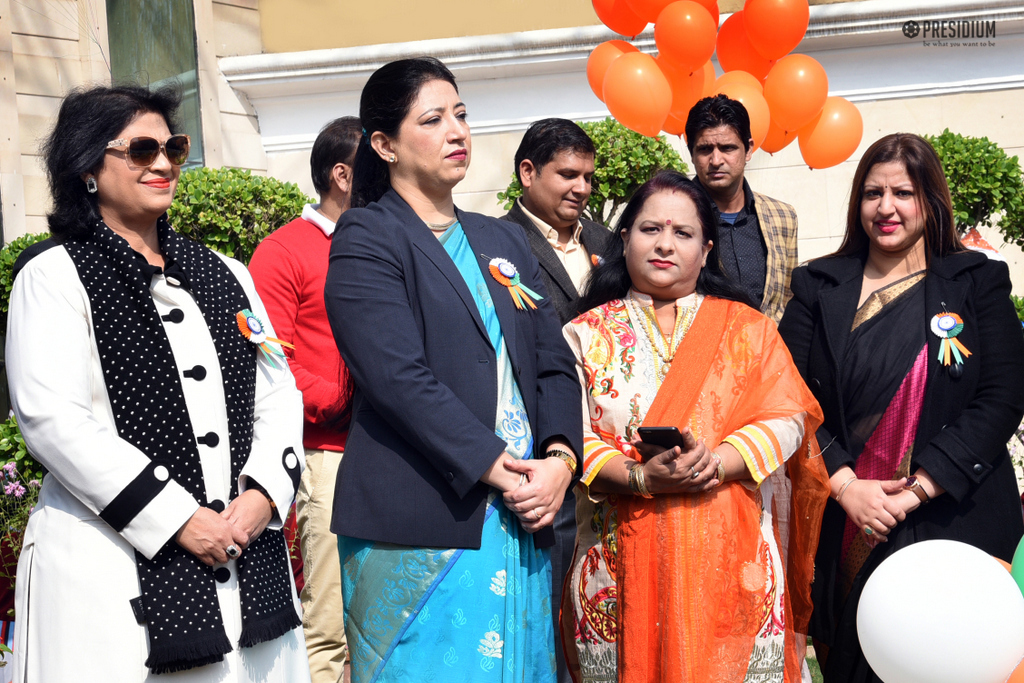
column 231, row 210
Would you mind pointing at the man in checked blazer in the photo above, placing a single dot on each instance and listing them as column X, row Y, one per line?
column 757, row 234
column 554, row 164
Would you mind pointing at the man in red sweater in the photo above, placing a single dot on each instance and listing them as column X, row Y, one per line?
column 290, row 269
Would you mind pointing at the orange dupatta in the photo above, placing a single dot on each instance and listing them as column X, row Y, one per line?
column 690, row 575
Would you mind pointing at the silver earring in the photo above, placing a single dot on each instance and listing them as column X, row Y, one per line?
column 392, row 159
column 90, row 185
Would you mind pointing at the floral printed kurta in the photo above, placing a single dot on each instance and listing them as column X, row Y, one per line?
column 619, row 370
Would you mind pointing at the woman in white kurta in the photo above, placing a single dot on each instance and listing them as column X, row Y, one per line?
column 83, row 612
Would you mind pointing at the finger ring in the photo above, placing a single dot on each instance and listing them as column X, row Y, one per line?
column 693, row 473
column 868, row 531
column 233, row 551
column 536, row 515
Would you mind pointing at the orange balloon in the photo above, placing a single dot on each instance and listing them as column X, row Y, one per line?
column 648, row 9
column 709, row 79
column 833, row 135
column 674, row 126
column 600, row 59
column 735, row 51
column 777, row 139
column 738, row 77
column 712, row 7
column 637, row 93
column 1006, row 565
column 796, row 90
column 686, row 88
column 685, row 34
column 616, row 15
column 757, row 108
column 1018, row 675
column 775, row 27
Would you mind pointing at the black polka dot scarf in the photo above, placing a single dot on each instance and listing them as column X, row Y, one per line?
column 179, row 599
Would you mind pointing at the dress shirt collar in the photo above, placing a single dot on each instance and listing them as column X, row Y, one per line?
column 310, row 213
column 550, row 234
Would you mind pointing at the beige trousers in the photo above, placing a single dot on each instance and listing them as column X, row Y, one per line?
column 322, row 618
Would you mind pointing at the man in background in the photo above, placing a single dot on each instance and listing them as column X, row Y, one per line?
column 555, row 165
column 756, row 234
column 290, row 270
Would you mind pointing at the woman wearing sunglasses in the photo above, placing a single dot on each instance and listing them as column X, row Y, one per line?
column 170, row 437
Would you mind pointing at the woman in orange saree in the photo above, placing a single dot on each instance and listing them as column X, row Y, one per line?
column 683, row 571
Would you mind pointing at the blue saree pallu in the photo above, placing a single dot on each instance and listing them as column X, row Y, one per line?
column 454, row 615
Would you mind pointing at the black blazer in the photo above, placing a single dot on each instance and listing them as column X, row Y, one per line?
column 594, row 236
column 422, row 431
column 965, row 422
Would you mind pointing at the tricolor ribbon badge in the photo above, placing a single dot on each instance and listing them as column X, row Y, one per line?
column 946, row 326
column 506, row 274
column 253, row 330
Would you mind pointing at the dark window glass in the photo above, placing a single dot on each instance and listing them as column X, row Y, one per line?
column 153, row 42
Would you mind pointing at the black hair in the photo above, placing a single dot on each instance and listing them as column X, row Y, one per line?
column 88, row 119
column 383, row 105
column 336, row 144
column 548, row 137
column 610, row 279
column 712, row 112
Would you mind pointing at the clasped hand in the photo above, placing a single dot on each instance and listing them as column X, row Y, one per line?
column 207, row 534
column 879, row 506
column 673, row 470
column 536, row 500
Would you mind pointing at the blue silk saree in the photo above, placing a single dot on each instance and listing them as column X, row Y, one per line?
column 453, row 615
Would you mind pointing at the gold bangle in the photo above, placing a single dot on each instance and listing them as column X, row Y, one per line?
column 721, row 471
column 842, row 489
column 568, row 458
column 637, row 483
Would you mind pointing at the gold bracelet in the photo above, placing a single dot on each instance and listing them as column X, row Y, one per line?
column 568, row 458
column 842, row 489
column 637, row 483
column 721, row 472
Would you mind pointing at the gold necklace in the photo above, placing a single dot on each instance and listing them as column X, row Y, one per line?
column 438, row 227
column 664, row 352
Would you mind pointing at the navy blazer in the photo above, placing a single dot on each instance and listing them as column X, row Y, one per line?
column 422, row 431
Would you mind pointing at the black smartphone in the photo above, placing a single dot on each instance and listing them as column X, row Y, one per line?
column 665, row 437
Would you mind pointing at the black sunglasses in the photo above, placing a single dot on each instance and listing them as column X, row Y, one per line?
column 142, row 152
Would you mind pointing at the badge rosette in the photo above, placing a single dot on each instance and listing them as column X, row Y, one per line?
column 253, row 330
column 506, row 274
column 946, row 326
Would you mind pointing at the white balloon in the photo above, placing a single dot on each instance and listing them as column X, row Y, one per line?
column 941, row 612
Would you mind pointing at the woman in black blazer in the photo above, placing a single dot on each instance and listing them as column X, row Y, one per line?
column 911, row 345
column 466, row 428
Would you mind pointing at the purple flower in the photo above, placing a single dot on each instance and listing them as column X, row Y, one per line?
column 11, row 470
column 34, row 484
column 14, row 489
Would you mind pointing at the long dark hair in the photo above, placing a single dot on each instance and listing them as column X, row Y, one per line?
column 925, row 171
column 88, row 119
column 383, row 105
column 610, row 280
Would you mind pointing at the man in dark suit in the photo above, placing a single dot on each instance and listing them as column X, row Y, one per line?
column 555, row 164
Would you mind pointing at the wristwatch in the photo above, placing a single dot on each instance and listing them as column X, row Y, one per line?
column 914, row 485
